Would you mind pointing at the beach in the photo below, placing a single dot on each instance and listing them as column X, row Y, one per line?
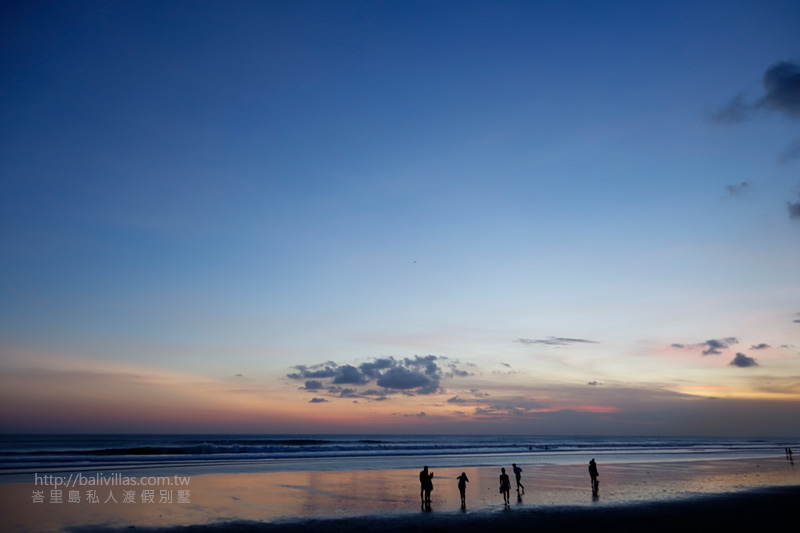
column 632, row 496
column 755, row 510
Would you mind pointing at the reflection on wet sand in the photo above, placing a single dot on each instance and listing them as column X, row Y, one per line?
column 291, row 495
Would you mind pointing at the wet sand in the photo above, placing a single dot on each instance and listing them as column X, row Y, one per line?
column 632, row 497
column 771, row 509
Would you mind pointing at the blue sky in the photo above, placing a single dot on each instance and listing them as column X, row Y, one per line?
column 526, row 217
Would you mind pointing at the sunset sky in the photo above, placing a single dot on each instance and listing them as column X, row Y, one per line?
column 405, row 217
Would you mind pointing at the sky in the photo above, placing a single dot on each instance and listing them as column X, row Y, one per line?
column 400, row 217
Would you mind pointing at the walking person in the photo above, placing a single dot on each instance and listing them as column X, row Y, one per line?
column 462, row 488
column 518, row 474
column 505, row 485
column 594, row 475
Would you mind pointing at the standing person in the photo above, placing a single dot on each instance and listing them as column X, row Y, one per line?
column 462, row 487
column 426, row 485
column 594, row 475
column 518, row 474
column 505, row 485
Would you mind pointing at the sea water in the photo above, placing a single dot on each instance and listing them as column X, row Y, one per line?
column 23, row 455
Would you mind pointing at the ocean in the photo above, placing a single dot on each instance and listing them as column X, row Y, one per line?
column 24, row 455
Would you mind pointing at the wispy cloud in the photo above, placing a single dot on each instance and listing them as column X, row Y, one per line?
column 711, row 346
column 780, row 385
column 456, row 399
column 781, row 84
column 791, row 152
column 70, row 393
column 794, row 209
column 737, row 190
column 326, row 370
column 526, row 408
column 555, row 341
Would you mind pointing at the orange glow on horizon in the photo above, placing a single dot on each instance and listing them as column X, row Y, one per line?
column 596, row 409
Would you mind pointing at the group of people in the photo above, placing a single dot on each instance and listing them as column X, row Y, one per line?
column 426, row 483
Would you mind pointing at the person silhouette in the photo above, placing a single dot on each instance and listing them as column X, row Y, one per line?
column 426, row 485
column 462, row 487
column 593, row 474
column 518, row 474
column 505, row 485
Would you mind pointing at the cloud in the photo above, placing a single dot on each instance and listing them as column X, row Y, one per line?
column 421, row 414
column 794, row 209
column 593, row 383
column 317, row 371
column 715, row 346
column 790, row 153
column 349, row 375
column 743, row 361
column 409, row 375
column 555, row 341
column 343, row 392
column 711, row 346
column 736, row 111
column 317, row 400
column 374, row 369
column 788, row 385
column 404, row 379
column 762, row 346
column 737, row 190
column 375, row 394
column 341, row 375
column 781, row 84
column 514, row 408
